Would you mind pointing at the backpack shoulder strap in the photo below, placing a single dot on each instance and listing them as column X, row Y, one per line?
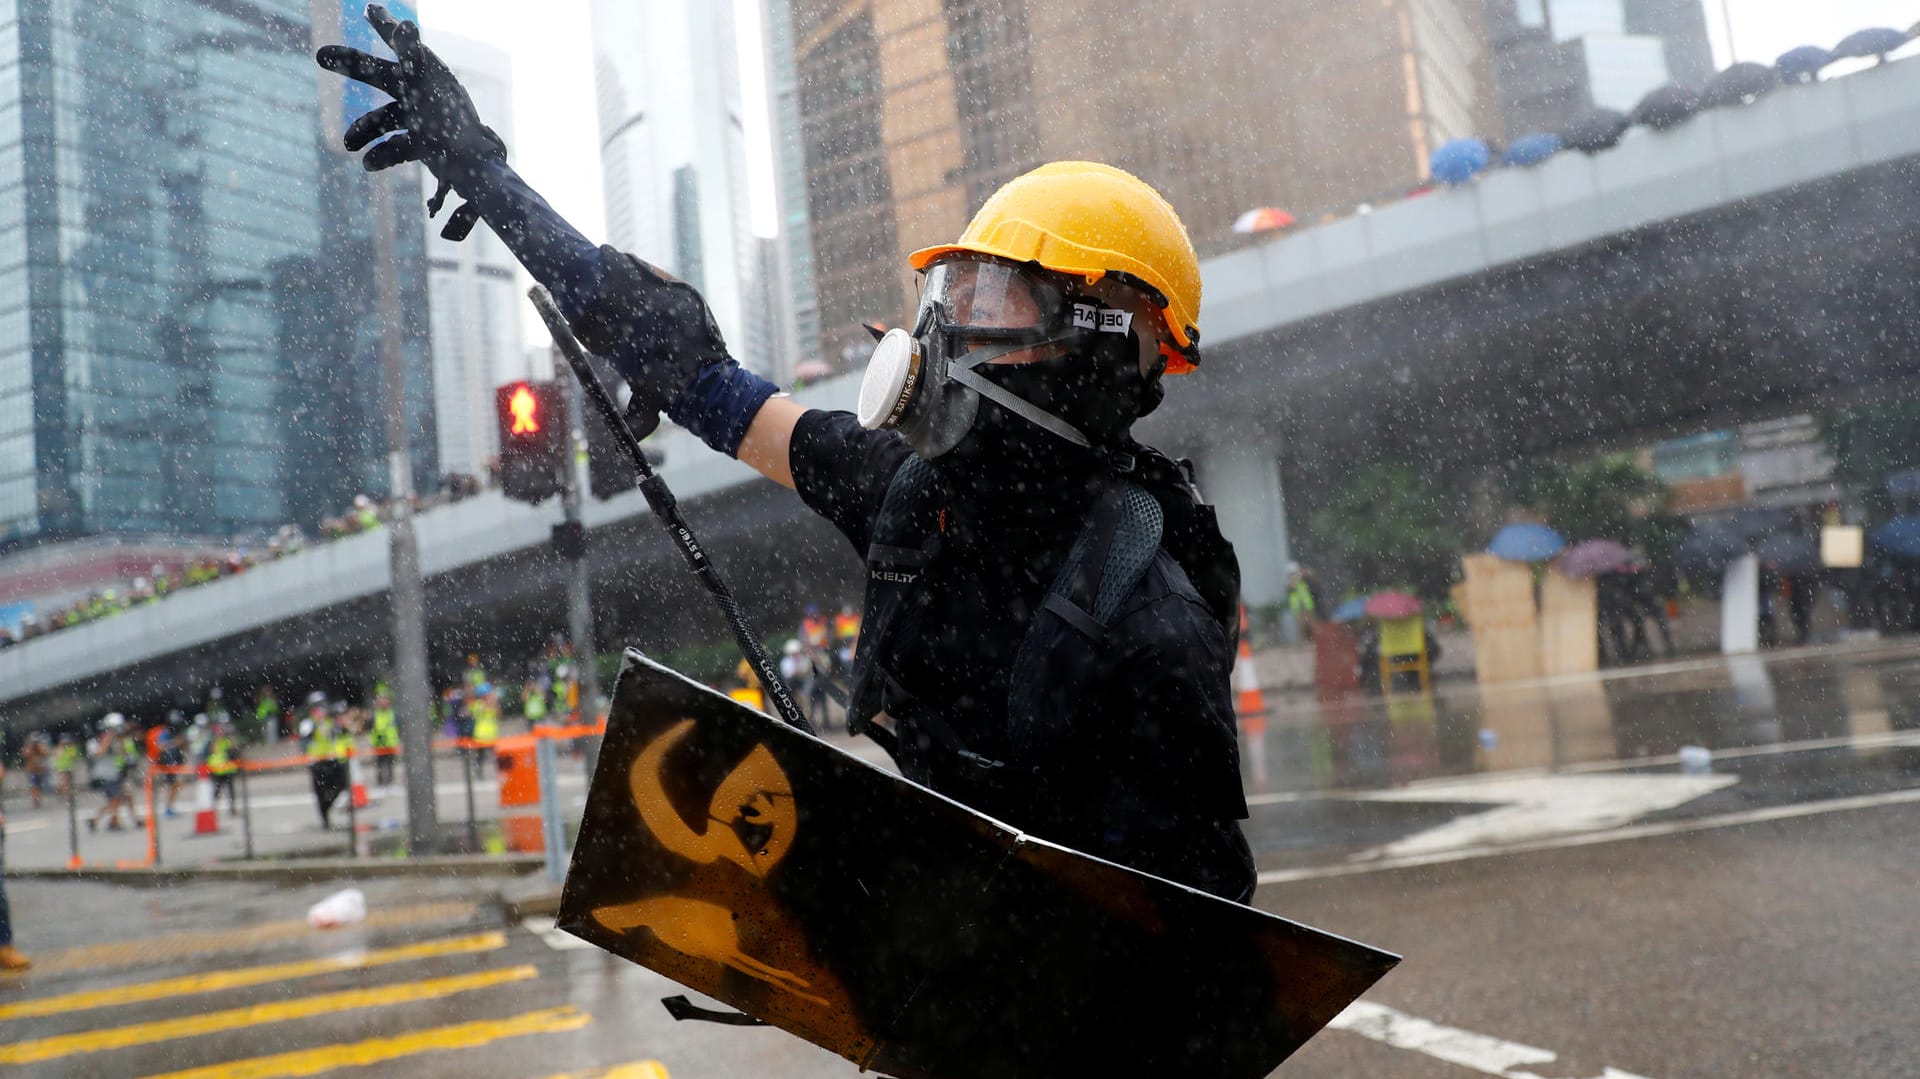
column 1062, row 648
column 905, row 534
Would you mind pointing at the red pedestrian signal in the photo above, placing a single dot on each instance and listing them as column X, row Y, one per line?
column 525, row 410
column 532, row 419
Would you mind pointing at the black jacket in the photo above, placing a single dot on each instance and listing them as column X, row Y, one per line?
column 1150, row 776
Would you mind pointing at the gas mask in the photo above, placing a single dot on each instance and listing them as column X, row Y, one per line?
column 929, row 384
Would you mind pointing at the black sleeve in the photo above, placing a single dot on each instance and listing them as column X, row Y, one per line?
column 842, row 470
column 1172, row 673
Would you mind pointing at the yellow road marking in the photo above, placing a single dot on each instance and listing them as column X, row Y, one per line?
column 380, row 1050
column 95, row 1041
column 147, row 951
column 237, row 979
column 639, row 1069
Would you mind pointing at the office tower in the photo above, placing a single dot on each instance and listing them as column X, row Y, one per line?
column 476, row 300
column 673, row 147
column 800, row 322
column 187, row 345
column 1555, row 60
column 913, row 111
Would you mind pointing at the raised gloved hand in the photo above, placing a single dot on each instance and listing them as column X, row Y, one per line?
column 437, row 123
column 659, row 334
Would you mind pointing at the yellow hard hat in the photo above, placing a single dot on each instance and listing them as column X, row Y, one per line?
column 1090, row 220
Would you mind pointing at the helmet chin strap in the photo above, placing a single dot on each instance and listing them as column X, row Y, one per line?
column 962, row 370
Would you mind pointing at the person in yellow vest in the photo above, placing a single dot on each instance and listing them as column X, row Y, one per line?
column 223, row 764
column 327, row 749
column 384, row 739
column 486, row 725
column 533, row 703
column 748, row 692
column 1303, row 601
column 66, row 761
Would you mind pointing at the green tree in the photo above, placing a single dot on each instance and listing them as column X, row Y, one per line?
column 1607, row 497
column 1868, row 442
column 1390, row 524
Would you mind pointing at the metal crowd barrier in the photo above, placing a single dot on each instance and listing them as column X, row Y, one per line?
column 531, row 793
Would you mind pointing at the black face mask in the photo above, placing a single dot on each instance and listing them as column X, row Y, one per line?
column 1014, row 470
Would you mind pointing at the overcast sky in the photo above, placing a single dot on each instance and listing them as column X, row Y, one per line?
column 555, row 133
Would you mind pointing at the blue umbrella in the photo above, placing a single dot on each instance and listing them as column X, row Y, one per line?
column 1352, row 610
column 1533, row 149
column 1900, row 536
column 1457, row 161
column 1802, row 64
column 1526, row 543
column 1874, row 41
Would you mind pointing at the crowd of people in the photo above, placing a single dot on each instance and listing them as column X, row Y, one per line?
column 328, row 730
column 160, row 581
column 816, row 663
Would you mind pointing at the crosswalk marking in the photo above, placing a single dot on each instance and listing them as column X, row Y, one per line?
column 380, row 1050
column 28, row 1052
column 639, row 1069
column 148, row 951
column 215, row 981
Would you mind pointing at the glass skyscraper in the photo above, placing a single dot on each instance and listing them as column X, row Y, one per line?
column 188, row 331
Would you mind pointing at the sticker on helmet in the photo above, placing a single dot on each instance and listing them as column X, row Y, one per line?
column 1104, row 319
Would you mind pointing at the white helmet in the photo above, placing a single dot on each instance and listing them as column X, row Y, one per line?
column 113, row 722
column 793, row 647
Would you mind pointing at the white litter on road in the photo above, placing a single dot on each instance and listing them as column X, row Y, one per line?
column 556, row 938
column 1480, row 1052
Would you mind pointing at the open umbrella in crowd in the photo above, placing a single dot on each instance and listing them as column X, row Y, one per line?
column 1594, row 557
column 1391, row 605
column 1899, row 537
column 1526, row 543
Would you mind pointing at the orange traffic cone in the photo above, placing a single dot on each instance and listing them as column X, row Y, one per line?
column 358, row 783
column 1250, row 707
column 206, row 820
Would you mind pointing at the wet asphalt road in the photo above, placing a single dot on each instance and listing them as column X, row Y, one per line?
column 1782, row 948
column 1570, row 906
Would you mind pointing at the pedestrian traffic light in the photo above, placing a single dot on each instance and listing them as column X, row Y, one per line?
column 532, row 419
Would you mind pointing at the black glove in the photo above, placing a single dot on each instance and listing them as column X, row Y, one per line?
column 654, row 328
column 437, row 123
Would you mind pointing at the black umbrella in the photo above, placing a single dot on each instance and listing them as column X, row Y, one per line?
column 1802, row 64
column 1716, row 543
column 1738, row 84
column 1873, row 41
column 1596, row 131
column 1756, row 523
column 1666, row 106
column 1710, row 549
column 1789, row 553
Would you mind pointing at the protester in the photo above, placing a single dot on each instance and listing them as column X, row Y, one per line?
column 115, row 762
column 35, row 759
column 223, row 765
column 993, row 435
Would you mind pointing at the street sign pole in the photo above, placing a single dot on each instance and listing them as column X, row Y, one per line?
column 579, row 608
column 409, row 595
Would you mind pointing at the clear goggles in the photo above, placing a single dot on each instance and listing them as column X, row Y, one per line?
column 988, row 299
